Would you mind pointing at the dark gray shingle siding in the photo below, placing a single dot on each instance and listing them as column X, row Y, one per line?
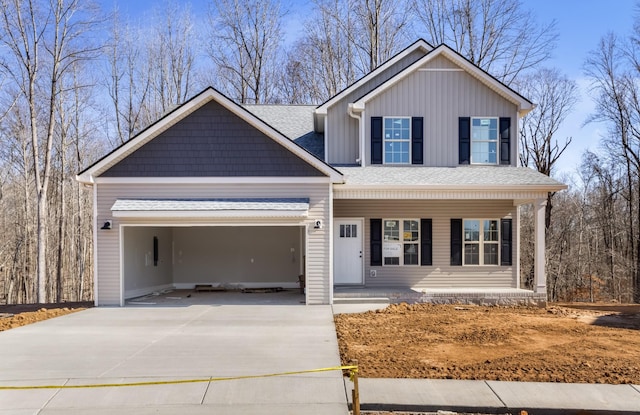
column 212, row 141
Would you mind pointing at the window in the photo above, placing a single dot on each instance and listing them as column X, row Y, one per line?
column 481, row 242
column 349, row 231
column 484, row 140
column 397, row 140
column 401, row 239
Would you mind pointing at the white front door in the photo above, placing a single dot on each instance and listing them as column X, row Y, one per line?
column 347, row 251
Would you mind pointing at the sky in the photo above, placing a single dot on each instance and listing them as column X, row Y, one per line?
column 581, row 24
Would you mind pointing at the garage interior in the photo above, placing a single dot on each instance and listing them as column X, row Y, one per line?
column 160, row 258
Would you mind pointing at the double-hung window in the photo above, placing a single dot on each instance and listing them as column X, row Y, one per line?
column 401, row 239
column 484, row 140
column 481, row 242
column 397, row 140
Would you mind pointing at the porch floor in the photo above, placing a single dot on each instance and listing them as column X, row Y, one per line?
column 481, row 296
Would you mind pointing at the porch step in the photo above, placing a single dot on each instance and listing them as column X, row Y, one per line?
column 361, row 300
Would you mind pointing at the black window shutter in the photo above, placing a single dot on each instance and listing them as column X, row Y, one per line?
column 417, row 141
column 426, row 242
column 505, row 242
column 505, row 140
column 376, row 242
column 464, row 140
column 456, row 241
column 376, row 140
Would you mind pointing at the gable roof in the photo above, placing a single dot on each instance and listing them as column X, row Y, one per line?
column 89, row 174
column 419, row 44
column 523, row 104
column 294, row 121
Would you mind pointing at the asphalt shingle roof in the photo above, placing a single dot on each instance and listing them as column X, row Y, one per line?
column 279, row 204
column 480, row 176
column 295, row 122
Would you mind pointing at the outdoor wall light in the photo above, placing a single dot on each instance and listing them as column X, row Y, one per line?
column 107, row 225
column 317, row 224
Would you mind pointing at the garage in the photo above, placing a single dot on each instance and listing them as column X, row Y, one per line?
column 230, row 243
column 156, row 258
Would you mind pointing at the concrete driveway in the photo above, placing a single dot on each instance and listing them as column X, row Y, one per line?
column 171, row 342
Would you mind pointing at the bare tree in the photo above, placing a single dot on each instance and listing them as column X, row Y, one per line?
column 555, row 96
column 244, row 45
column 500, row 36
column 614, row 69
column 43, row 39
column 379, row 28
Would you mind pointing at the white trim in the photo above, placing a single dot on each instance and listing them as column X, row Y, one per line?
column 384, row 140
column 121, row 261
column 519, row 195
column 480, row 242
column 497, row 140
column 362, row 240
column 326, row 141
column 212, row 214
column 212, row 180
column 331, row 219
column 304, row 225
column 402, row 242
column 516, row 229
column 95, row 245
column 440, row 70
column 182, row 112
column 524, row 106
column 322, row 109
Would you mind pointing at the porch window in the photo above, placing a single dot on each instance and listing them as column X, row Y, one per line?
column 481, row 242
column 401, row 239
column 397, row 140
column 484, row 140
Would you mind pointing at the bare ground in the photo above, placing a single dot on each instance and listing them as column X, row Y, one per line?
column 22, row 314
column 573, row 343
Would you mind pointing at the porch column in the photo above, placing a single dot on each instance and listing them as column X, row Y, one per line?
column 540, row 275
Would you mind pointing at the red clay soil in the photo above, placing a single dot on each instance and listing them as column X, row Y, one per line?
column 22, row 314
column 573, row 343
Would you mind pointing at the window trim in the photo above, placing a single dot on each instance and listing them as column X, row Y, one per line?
column 481, row 242
column 403, row 242
column 497, row 141
column 384, row 140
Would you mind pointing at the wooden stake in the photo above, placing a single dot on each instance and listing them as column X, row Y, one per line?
column 355, row 393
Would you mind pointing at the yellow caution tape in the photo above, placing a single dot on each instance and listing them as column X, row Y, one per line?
column 352, row 370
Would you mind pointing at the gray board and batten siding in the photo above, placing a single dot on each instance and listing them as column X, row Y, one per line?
column 212, row 142
column 441, row 274
column 342, row 130
column 440, row 95
column 317, row 240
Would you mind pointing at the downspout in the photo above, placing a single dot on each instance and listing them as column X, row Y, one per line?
column 351, row 110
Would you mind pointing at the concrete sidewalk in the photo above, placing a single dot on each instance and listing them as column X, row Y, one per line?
column 430, row 395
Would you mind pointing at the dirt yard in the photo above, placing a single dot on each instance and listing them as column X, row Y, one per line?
column 579, row 343
column 20, row 315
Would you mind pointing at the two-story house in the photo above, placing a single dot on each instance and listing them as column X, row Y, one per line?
column 408, row 179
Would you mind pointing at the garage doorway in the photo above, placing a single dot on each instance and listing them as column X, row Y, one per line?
column 159, row 258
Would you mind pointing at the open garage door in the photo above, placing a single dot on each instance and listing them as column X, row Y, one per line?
column 156, row 258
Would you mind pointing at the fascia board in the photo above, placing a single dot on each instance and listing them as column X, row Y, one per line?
column 421, row 43
column 182, row 112
column 151, row 214
column 524, row 106
column 449, row 188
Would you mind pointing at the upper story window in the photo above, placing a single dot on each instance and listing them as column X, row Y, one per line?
column 484, row 140
column 397, row 140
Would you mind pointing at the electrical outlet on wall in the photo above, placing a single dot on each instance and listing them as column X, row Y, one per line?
column 372, row 273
